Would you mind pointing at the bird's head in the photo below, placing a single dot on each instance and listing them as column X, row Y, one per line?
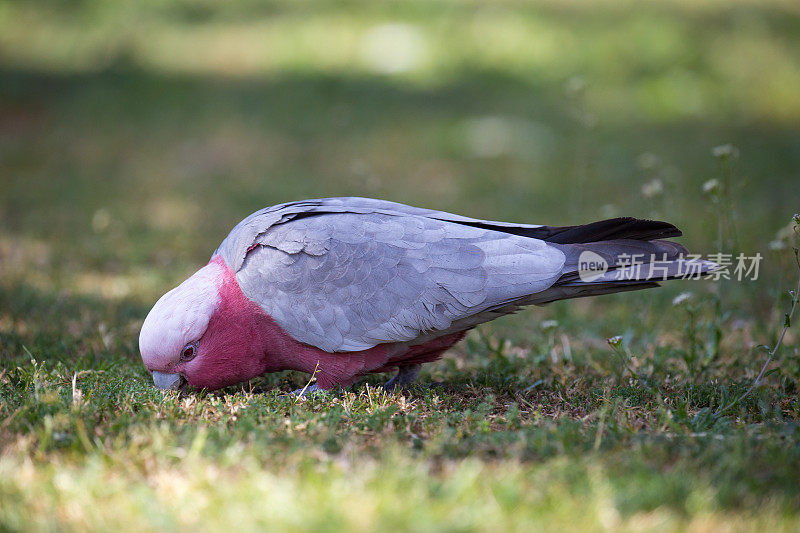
column 200, row 333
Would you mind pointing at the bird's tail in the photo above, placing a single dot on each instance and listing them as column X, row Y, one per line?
column 632, row 258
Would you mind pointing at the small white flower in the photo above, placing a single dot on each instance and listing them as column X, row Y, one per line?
column 615, row 340
column 682, row 298
column 777, row 245
column 725, row 151
column 652, row 188
column 783, row 237
column 711, row 186
column 548, row 325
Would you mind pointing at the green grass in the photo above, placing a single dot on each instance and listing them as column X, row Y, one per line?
column 133, row 136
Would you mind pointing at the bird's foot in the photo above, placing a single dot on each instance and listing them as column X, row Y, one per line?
column 405, row 376
column 308, row 391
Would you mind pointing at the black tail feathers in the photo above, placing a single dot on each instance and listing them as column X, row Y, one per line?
column 612, row 229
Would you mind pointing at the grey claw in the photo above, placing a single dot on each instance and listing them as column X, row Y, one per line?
column 308, row 391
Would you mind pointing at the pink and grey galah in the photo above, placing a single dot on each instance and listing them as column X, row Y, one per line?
column 346, row 287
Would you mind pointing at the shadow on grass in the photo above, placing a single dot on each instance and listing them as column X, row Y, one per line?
column 123, row 135
column 82, row 332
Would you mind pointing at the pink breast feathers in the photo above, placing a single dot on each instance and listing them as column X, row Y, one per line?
column 242, row 341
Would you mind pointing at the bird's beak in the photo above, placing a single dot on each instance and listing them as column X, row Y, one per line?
column 167, row 381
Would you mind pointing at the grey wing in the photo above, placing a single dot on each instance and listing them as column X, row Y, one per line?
column 235, row 247
column 347, row 282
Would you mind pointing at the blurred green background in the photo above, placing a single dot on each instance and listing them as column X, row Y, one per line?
column 166, row 122
column 135, row 135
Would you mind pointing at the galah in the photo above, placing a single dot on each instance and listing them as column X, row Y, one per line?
column 344, row 287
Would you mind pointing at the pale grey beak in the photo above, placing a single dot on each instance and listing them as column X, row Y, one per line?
column 167, row 381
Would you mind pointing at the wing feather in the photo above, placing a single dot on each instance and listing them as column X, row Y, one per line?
column 347, row 281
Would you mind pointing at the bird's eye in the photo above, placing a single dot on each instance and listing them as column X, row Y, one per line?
column 188, row 353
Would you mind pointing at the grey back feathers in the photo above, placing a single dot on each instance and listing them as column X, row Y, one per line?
column 346, row 274
column 246, row 231
column 345, row 281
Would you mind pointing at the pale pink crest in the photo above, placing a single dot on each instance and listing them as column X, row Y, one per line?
column 179, row 317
